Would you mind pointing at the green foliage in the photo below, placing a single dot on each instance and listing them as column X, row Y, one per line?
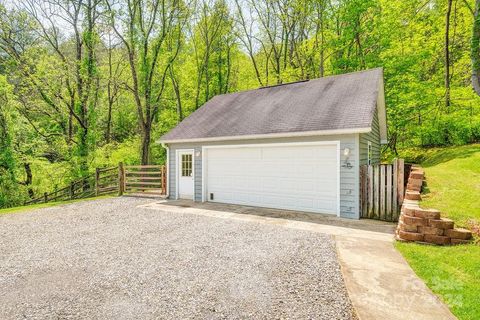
column 111, row 154
column 6, row 156
column 208, row 49
column 450, row 130
column 9, row 192
column 475, row 45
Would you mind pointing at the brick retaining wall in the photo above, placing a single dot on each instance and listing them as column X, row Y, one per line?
column 425, row 225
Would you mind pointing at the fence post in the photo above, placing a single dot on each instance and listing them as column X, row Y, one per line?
column 376, row 190
column 121, row 179
column 164, row 183
column 85, row 185
column 395, row 209
column 382, row 212
column 363, row 191
column 72, row 190
column 97, row 181
column 400, row 181
column 388, row 214
column 45, row 197
column 370, row 191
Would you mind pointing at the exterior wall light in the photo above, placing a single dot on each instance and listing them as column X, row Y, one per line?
column 346, row 153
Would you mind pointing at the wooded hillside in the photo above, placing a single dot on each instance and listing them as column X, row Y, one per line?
column 89, row 83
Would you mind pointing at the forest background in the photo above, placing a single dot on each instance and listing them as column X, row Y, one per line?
column 90, row 83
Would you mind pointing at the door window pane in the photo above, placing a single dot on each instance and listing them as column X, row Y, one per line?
column 187, row 165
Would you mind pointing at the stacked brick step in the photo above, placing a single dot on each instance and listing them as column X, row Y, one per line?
column 425, row 225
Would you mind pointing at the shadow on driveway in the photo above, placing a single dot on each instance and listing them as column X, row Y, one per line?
column 319, row 218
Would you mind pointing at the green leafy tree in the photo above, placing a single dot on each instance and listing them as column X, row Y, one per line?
column 475, row 55
column 143, row 27
column 9, row 194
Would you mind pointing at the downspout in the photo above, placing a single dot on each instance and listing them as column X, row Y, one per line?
column 167, row 168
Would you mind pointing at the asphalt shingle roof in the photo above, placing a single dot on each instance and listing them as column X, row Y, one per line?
column 338, row 102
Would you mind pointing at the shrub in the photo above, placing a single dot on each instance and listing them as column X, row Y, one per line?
column 449, row 130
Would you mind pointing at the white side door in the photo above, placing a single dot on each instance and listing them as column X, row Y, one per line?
column 185, row 174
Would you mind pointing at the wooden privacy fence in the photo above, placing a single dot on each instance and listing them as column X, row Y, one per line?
column 382, row 190
column 148, row 178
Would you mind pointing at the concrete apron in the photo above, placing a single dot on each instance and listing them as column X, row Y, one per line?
column 380, row 283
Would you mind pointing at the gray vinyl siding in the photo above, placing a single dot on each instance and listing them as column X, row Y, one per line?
column 349, row 178
column 374, row 138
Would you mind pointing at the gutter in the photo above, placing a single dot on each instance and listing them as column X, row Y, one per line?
column 270, row 135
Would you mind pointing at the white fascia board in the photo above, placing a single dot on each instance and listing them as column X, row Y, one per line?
column 381, row 110
column 272, row 135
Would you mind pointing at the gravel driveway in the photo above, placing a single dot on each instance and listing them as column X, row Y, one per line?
column 110, row 259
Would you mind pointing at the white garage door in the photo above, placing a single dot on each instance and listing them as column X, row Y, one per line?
column 296, row 177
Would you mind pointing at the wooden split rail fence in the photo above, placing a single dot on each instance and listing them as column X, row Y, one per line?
column 382, row 188
column 148, row 179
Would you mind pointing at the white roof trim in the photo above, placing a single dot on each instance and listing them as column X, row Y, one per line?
column 272, row 135
column 381, row 110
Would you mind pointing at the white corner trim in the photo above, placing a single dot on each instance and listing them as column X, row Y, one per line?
column 204, row 174
column 357, row 174
column 272, row 135
column 167, row 169
column 339, row 165
column 385, row 141
column 177, row 171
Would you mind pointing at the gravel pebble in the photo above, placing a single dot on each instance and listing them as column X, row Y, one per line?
column 109, row 259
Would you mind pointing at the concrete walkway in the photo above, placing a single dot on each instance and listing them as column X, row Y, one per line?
column 380, row 283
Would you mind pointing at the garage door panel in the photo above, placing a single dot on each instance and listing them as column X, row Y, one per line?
column 286, row 177
column 238, row 153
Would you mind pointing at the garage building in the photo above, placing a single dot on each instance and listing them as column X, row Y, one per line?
column 295, row 146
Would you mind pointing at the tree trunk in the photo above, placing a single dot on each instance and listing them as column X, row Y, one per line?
column 109, row 92
column 447, row 54
column 109, row 122
column 207, row 75
column 146, row 144
column 321, row 25
column 229, row 70
column 28, row 179
column 70, row 126
column 322, row 48
column 83, row 151
column 176, row 90
column 475, row 54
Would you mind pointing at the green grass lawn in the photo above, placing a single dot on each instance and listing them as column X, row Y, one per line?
column 451, row 272
column 453, row 177
column 46, row 205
